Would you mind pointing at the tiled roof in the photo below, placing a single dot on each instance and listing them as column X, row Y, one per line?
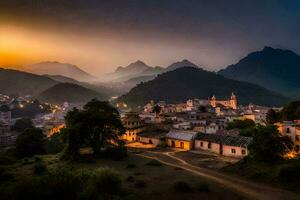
column 230, row 140
column 181, row 135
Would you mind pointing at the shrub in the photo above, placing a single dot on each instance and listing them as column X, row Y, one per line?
column 116, row 153
column 140, row 184
column 202, row 187
column 130, row 166
column 6, row 160
column 182, row 187
column 130, row 179
column 4, row 175
column 154, row 163
column 289, row 173
column 40, row 168
column 106, row 181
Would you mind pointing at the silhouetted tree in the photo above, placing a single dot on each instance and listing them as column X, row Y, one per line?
column 272, row 116
column 30, row 142
column 268, row 145
column 22, row 124
column 98, row 125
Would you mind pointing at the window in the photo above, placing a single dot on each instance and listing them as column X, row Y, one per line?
column 243, row 151
column 287, row 130
column 209, row 145
column 201, row 144
column 233, row 151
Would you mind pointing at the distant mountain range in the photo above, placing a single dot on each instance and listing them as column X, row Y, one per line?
column 48, row 88
column 69, row 92
column 22, row 83
column 63, row 69
column 189, row 82
column 143, row 72
column 274, row 69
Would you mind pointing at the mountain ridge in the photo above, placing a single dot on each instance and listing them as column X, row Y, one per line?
column 189, row 82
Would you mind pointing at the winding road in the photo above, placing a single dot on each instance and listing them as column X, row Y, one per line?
column 246, row 188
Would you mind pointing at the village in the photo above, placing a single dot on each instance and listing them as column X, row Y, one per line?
column 198, row 126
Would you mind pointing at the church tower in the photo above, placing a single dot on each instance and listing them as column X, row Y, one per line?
column 233, row 101
column 213, row 101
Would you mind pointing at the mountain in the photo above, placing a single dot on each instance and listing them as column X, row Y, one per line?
column 64, row 69
column 63, row 92
column 183, row 63
column 190, row 82
column 106, row 90
column 139, row 70
column 23, row 83
column 274, row 69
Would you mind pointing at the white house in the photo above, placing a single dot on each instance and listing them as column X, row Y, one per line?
column 227, row 145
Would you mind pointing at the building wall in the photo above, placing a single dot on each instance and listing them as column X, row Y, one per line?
column 147, row 140
column 215, row 148
column 131, row 134
column 187, row 145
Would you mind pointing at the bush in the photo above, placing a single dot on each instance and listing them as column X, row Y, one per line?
column 4, row 175
column 289, row 173
column 130, row 179
column 116, row 153
column 40, row 168
column 30, row 142
column 130, row 166
column 154, row 163
column 182, row 187
column 140, row 184
column 202, row 187
column 6, row 160
column 106, row 181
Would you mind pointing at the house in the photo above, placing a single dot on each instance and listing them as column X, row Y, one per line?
column 181, row 139
column 292, row 130
column 133, row 125
column 151, row 137
column 227, row 145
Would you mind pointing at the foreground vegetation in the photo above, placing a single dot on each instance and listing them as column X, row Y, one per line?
column 49, row 177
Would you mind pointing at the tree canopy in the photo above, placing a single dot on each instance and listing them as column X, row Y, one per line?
column 30, row 142
column 22, row 124
column 97, row 125
column 268, row 145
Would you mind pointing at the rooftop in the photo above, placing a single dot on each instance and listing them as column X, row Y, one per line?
column 230, row 140
column 181, row 135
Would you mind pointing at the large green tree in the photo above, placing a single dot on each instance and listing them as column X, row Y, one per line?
column 97, row 125
column 268, row 145
column 30, row 142
column 22, row 124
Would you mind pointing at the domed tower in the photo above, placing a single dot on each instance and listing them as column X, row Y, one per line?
column 213, row 101
column 233, row 101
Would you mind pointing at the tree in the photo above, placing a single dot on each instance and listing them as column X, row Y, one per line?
column 272, row 116
column 98, row 125
column 156, row 109
column 22, row 124
column 291, row 111
column 268, row 145
column 30, row 142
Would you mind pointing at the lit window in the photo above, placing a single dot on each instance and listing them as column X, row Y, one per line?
column 233, row 151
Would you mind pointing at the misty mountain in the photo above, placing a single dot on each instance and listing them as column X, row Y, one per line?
column 275, row 69
column 183, row 63
column 63, row 69
column 106, row 90
column 139, row 70
column 73, row 93
column 23, row 83
column 190, row 82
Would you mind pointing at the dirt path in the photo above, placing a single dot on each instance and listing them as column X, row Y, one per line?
column 246, row 188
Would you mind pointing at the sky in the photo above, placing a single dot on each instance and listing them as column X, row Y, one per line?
column 100, row 35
